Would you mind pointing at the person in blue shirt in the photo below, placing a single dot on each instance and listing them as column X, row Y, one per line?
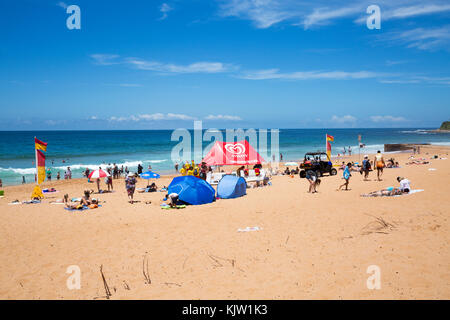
column 346, row 176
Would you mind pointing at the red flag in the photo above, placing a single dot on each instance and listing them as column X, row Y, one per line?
column 40, row 145
column 40, row 166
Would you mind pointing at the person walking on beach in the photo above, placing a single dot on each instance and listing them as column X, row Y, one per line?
column 366, row 167
column 349, row 150
column 58, row 176
column 23, row 179
column 130, row 185
column 344, row 151
column 49, row 174
column 379, row 164
column 176, row 166
column 346, row 176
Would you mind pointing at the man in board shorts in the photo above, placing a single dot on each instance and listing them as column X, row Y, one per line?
column 379, row 164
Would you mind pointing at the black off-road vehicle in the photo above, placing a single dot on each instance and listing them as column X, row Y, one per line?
column 318, row 162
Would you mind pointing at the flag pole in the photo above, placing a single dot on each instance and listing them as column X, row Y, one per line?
column 36, row 162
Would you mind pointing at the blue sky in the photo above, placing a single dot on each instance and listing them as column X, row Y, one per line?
column 144, row 64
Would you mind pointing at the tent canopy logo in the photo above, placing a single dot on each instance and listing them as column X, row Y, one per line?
column 235, row 148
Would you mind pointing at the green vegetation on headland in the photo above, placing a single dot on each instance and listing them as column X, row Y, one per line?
column 445, row 126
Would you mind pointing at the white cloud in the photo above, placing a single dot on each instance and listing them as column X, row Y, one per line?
column 309, row 75
column 223, row 117
column 343, row 119
column 421, row 38
column 105, row 59
column 263, row 13
column 325, row 16
column 416, row 10
column 197, row 67
column 151, row 65
column 164, row 9
column 267, row 13
column 378, row 119
column 152, row 117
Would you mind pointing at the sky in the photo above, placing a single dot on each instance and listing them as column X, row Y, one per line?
column 148, row 64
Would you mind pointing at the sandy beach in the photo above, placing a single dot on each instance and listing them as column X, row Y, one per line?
column 309, row 246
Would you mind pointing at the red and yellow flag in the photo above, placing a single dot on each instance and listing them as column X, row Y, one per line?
column 329, row 138
column 40, row 145
column 40, row 158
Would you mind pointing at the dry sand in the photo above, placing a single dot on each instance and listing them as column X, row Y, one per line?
column 311, row 246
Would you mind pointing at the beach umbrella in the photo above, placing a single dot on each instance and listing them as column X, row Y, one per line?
column 149, row 175
column 287, row 164
column 98, row 174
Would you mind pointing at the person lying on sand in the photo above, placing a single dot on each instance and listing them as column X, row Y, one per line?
column 405, row 187
column 417, row 161
column 388, row 192
column 85, row 201
column 150, row 188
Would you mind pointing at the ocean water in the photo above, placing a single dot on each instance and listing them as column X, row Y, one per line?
column 94, row 149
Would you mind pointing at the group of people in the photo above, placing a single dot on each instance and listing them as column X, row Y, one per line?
column 378, row 163
column 192, row 169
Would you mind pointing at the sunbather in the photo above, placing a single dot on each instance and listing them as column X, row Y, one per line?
column 391, row 191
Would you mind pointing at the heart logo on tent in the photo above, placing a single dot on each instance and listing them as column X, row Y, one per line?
column 235, row 148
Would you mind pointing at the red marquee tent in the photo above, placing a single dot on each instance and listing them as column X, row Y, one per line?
column 232, row 153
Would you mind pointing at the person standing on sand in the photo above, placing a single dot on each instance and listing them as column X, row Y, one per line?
column 23, row 179
column 346, row 176
column 109, row 183
column 312, row 178
column 176, row 166
column 58, row 176
column 349, row 150
column 379, row 164
column 130, row 185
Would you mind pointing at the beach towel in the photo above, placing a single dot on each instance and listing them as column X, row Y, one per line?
column 248, row 229
column 180, row 206
column 82, row 209
column 49, row 191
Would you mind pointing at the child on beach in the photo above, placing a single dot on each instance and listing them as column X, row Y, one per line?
column 346, row 176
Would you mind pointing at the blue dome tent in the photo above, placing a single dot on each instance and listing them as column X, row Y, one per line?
column 230, row 187
column 192, row 190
